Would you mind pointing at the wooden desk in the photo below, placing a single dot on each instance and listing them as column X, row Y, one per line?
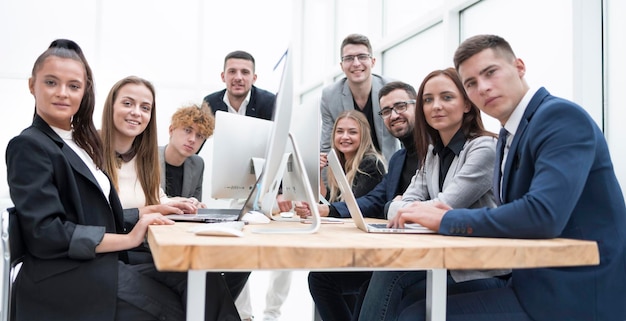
column 343, row 247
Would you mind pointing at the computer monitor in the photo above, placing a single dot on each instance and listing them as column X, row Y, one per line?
column 305, row 127
column 238, row 143
column 277, row 156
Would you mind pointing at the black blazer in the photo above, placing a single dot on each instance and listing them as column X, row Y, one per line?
column 261, row 103
column 63, row 215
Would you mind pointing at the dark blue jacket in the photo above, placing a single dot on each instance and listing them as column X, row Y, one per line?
column 261, row 103
column 372, row 204
column 558, row 181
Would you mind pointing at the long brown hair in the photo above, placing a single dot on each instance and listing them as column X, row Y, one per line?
column 84, row 131
column 472, row 124
column 145, row 144
column 366, row 148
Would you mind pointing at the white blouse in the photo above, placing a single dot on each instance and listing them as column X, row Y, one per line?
column 130, row 190
column 101, row 178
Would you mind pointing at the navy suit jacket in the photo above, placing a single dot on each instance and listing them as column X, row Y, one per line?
column 261, row 103
column 372, row 204
column 558, row 181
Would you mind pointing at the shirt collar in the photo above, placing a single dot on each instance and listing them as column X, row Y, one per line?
column 455, row 145
column 242, row 108
column 512, row 123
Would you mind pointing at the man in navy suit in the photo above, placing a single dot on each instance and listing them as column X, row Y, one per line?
column 338, row 295
column 241, row 96
column 557, row 181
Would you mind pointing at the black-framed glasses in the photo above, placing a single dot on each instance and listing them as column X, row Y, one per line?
column 350, row 58
column 398, row 107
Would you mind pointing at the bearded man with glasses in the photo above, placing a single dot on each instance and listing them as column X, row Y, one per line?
column 358, row 90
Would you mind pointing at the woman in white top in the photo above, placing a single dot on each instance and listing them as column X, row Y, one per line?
column 131, row 158
column 129, row 137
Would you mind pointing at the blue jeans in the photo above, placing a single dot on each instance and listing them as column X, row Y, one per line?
column 489, row 305
column 337, row 295
column 389, row 293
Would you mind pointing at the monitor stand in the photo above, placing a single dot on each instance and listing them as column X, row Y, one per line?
column 270, row 197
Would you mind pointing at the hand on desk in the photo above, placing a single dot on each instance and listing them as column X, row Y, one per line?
column 283, row 204
column 427, row 214
column 112, row 242
column 303, row 210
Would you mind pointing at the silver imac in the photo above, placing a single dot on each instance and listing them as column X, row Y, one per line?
column 305, row 128
column 277, row 156
column 239, row 147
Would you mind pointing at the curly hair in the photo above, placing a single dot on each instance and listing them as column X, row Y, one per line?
column 193, row 115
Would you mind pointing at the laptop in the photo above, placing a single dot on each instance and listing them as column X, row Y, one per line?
column 355, row 211
column 210, row 215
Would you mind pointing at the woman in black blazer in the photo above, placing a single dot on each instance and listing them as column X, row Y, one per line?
column 70, row 217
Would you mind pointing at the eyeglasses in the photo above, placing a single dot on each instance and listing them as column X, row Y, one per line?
column 398, row 107
column 350, row 58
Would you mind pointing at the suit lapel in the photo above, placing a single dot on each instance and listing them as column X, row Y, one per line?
column 251, row 108
column 433, row 190
column 379, row 124
column 395, row 173
column 75, row 161
column 346, row 98
column 187, row 178
column 511, row 157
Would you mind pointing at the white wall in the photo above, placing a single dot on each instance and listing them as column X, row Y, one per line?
column 177, row 45
column 564, row 44
column 615, row 77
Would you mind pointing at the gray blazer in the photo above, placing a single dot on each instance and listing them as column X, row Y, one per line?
column 192, row 177
column 468, row 184
column 337, row 98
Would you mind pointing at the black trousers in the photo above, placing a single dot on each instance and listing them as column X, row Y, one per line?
column 145, row 294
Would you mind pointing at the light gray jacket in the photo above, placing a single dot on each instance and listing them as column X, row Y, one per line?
column 468, row 184
column 337, row 98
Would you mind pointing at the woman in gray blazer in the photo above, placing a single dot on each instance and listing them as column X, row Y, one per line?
column 457, row 157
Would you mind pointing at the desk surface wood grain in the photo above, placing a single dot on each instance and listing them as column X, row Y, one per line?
column 344, row 247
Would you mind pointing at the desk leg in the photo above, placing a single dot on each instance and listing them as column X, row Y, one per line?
column 196, row 284
column 436, row 288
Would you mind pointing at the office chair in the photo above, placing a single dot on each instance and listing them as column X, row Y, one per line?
column 12, row 254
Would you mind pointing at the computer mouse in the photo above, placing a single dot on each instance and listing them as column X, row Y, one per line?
column 255, row 217
column 286, row 214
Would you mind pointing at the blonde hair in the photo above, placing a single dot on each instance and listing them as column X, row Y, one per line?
column 351, row 167
column 145, row 144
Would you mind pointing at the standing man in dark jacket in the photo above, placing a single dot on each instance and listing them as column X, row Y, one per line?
column 241, row 96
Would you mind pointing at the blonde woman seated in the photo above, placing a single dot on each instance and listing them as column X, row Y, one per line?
column 362, row 163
